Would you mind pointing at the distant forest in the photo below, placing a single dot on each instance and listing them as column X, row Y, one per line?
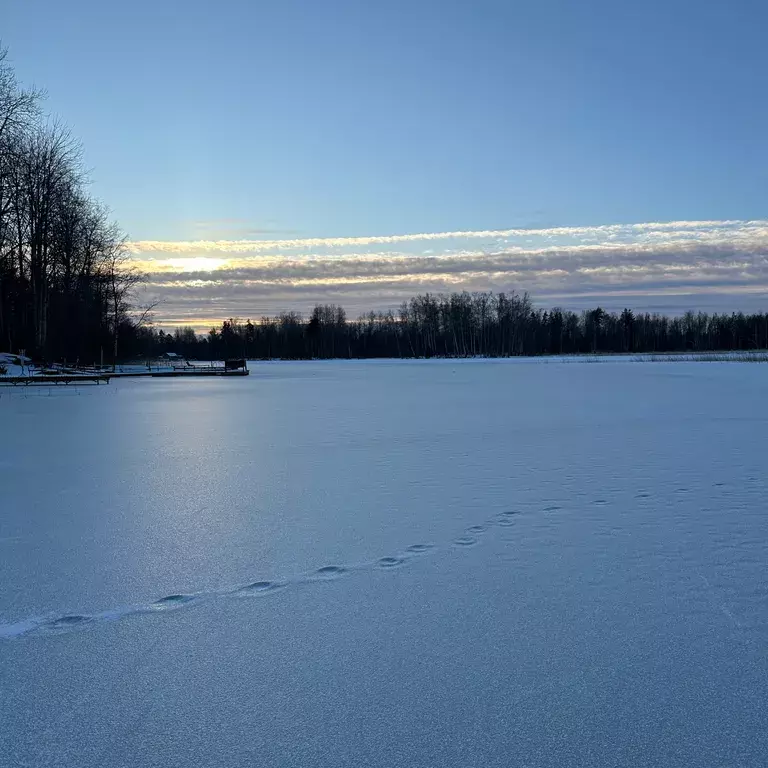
column 459, row 325
column 65, row 278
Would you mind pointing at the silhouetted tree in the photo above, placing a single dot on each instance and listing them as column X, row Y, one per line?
column 64, row 282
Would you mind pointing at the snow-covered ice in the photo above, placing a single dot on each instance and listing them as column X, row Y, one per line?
column 475, row 563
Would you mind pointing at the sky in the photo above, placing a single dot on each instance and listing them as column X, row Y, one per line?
column 265, row 156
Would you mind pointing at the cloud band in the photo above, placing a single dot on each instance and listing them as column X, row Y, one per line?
column 669, row 265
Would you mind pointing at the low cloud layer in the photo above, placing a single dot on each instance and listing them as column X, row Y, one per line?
column 664, row 266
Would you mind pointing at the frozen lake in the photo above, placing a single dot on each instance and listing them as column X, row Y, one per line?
column 509, row 563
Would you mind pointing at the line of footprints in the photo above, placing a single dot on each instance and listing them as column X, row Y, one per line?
column 46, row 626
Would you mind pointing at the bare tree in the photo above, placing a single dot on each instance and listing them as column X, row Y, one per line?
column 121, row 280
column 18, row 106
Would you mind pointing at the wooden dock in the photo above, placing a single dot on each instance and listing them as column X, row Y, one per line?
column 58, row 378
column 178, row 373
column 238, row 367
column 59, row 374
column 216, row 371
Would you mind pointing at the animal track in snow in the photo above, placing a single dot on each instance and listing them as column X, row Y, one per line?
column 476, row 529
column 419, row 549
column 171, row 602
column 48, row 626
column 259, row 588
column 67, row 623
column 328, row 572
column 506, row 519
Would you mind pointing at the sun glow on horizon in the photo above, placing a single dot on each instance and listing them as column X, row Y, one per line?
column 196, row 263
column 182, row 264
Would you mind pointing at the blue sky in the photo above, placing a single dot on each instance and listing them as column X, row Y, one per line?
column 247, row 120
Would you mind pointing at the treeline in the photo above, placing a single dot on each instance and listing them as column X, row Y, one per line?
column 64, row 280
column 461, row 325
